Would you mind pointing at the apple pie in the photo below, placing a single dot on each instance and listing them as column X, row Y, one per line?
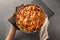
column 30, row 18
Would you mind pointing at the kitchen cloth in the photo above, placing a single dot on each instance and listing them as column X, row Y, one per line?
column 43, row 34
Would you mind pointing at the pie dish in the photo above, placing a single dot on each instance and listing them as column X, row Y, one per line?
column 30, row 18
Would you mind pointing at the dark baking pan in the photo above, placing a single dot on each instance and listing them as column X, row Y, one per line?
column 48, row 11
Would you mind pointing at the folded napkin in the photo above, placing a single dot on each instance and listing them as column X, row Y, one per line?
column 43, row 34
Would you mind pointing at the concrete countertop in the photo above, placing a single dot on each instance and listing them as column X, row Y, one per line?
column 7, row 8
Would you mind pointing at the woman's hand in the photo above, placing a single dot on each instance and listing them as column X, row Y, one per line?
column 11, row 33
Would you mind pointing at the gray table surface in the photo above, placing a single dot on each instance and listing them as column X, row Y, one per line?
column 7, row 8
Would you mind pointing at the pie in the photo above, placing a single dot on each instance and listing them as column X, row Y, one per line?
column 30, row 18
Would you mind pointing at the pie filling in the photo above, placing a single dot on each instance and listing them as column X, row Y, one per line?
column 30, row 18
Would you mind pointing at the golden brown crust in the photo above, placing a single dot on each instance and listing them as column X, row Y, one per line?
column 30, row 18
